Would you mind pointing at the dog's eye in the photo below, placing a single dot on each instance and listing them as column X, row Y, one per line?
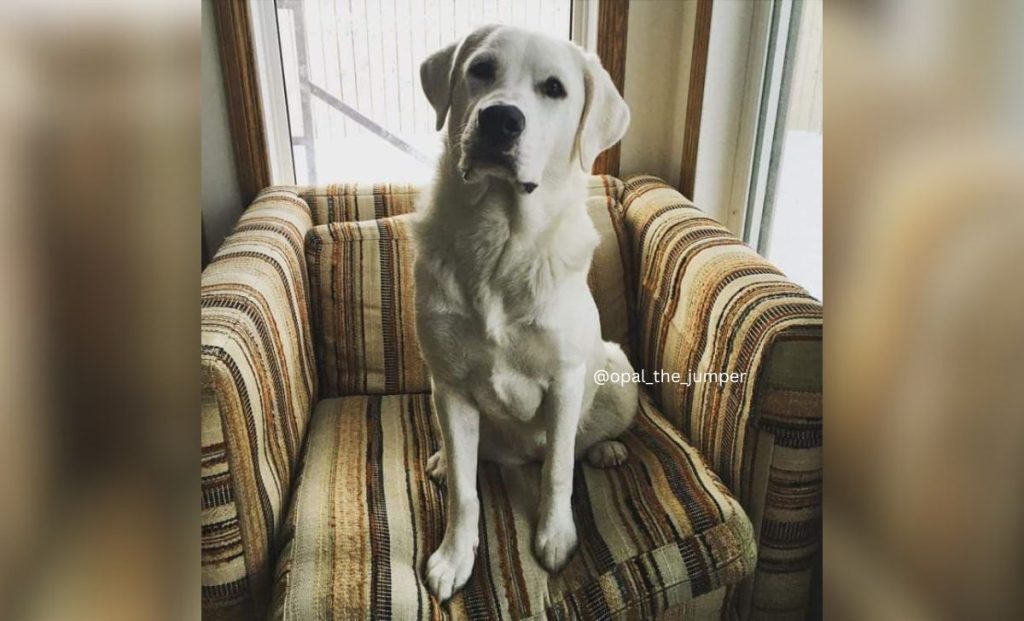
column 482, row 70
column 552, row 87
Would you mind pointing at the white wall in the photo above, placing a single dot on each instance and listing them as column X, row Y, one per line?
column 659, row 43
column 220, row 196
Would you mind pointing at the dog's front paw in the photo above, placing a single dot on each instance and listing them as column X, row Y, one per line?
column 448, row 569
column 555, row 540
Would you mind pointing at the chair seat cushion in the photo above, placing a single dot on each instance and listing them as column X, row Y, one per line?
column 658, row 535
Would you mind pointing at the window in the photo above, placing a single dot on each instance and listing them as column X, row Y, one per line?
column 784, row 205
column 347, row 78
column 759, row 162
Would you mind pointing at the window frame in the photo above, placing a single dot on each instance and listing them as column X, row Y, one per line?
column 730, row 172
column 242, row 95
column 771, row 125
column 695, row 97
column 270, row 68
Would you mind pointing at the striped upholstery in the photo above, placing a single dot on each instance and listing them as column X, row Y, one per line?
column 257, row 391
column 659, row 535
column 362, row 297
column 706, row 302
column 348, row 202
column 364, row 322
column 784, row 463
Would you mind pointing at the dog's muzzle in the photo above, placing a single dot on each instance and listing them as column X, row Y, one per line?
column 498, row 127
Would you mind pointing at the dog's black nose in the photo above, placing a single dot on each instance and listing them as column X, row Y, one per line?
column 501, row 124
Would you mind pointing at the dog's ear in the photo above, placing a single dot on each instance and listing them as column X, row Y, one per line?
column 439, row 71
column 605, row 114
column 436, row 77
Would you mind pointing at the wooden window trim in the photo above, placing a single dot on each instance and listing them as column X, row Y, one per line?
column 241, row 89
column 612, row 27
column 695, row 98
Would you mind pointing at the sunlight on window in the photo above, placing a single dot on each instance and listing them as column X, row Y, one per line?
column 795, row 236
column 351, row 69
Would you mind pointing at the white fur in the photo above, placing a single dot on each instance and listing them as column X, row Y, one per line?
column 505, row 319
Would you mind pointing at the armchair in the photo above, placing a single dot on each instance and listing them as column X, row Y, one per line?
column 316, row 425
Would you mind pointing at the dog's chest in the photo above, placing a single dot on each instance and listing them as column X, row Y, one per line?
column 509, row 366
column 492, row 314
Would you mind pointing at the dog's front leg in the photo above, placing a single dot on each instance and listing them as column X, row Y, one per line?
column 449, row 567
column 556, row 532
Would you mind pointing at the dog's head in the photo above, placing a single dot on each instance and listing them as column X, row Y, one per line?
column 522, row 106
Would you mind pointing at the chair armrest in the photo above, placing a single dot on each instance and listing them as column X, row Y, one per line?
column 258, row 384
column 708, row 303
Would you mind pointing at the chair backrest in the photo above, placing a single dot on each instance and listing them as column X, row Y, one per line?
column 360, row 261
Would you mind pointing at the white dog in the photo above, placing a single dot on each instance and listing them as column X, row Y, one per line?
column 506, row 322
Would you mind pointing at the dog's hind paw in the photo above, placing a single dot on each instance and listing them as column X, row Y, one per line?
column 436, row 468
column 607, row 454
